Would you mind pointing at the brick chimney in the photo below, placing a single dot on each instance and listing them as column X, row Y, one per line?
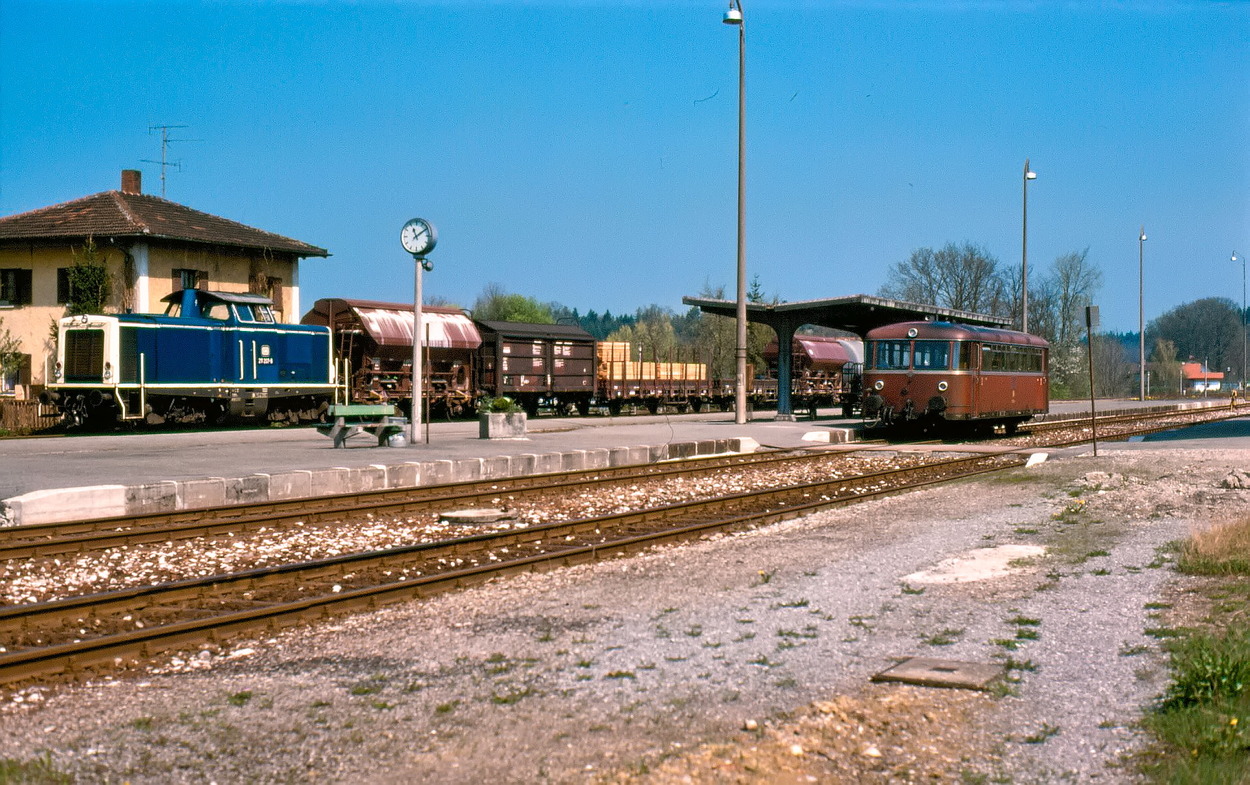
column 132, row 181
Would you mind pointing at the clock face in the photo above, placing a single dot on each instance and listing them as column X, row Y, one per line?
column 418, row 236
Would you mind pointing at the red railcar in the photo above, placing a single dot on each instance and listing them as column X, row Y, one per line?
column 933, row 373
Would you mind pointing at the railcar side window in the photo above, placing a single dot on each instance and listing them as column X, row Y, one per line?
column 892, row 355
column 963, row 356
column 1018, row 359
column 932, row 356
column 219, row 311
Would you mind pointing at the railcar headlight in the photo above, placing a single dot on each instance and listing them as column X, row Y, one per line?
column 108, row 371
column 57, row 371
column 879, row 384
column 942, row 386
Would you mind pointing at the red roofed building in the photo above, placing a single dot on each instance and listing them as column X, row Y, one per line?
column 151, row 247
column 1199, row 379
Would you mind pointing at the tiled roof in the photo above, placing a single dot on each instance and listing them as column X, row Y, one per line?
column 121, row 214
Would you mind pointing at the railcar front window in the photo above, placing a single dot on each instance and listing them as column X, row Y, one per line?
column 893, row 355
column 932, row 356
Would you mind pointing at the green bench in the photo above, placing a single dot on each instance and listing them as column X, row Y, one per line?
column 353, row 419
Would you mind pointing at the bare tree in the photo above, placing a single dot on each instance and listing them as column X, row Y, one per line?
column 964, row 277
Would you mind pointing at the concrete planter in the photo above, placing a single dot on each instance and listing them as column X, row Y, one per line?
column 501, row 426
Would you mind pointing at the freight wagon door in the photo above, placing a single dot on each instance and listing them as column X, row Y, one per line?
column 572, row 366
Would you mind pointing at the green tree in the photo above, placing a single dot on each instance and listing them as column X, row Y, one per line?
column 497, row 305
column 1206, row 330
column 90, row 284
column 11, row 355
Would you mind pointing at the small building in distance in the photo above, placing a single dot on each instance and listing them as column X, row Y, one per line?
column 1198, row 379
column 150, row 247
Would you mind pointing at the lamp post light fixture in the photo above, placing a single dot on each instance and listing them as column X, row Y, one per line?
column 1243, row 317
column 1141, row 315
column 1024, row 252
column 734, row 17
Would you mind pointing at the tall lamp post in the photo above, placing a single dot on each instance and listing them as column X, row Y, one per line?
column 1024, row 253
column 418, row 238
column 1243, row 317
column 1141, row 315
column 734, row 17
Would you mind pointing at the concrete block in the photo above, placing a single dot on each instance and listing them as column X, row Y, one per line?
column 744, row 444
column 403, row 475
column 153, row 497
column 467, row 470
column 548, row 463
column 245, row 490
column 328, row 482
column 657, row 453
column 572, row 460
column 362, row 479
column 496, row 467
column 681, row 450
column 67, row 504
column 197, row 494
column 290, row 485
column 597, row 458
column 619, row 456
column 524, row 464
column 437, row 473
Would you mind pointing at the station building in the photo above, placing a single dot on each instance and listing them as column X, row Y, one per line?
column 150, row 247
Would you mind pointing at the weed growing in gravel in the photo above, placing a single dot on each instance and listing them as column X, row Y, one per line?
column 786, row 683
column 1024, row 634
column 944, row 638
column 619, row 675
column 320, row 704
column 1203, row 722
column 37, row 770
column 1045, row 732
column 909, row 589
column 382, row 705
column 695, row 631
column 861, row 621
column 585, row 663
column 746, row 636
column 801, row 603
column 240, row 698
column 447, row 708
column 1025, row 530
column 1024, row 621
column 1009, row 644
column 1101, row 571
column 141, row 723
column 763, row 661
column 662, row 632
column 765, row 577
column 509, row 698
column 365, row 688
column 1130, row 650
column 1012, row 664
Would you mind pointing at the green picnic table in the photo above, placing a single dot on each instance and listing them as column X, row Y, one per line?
column 377, row 420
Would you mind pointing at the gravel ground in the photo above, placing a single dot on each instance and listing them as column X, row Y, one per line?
column 741, row 658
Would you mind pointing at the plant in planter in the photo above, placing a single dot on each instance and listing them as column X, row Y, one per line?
column 500, row 418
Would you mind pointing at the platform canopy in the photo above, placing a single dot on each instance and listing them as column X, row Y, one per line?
column 857, row 313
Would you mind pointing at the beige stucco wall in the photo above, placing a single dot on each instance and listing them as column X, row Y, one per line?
column 229, row 270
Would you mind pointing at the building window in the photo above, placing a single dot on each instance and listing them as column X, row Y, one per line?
column 62, row 286
column 19, row 375
column 185, row 278
column 14, row 287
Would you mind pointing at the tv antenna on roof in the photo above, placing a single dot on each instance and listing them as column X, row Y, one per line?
column 165, row 140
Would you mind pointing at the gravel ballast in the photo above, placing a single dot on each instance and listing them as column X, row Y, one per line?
column 736, row 659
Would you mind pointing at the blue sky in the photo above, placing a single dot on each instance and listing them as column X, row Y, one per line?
column 584, row 151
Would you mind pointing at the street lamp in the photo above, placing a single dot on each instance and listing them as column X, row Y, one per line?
column 1243, row 317
column 734, row 17
column 1024, row 253
column 1141, row 315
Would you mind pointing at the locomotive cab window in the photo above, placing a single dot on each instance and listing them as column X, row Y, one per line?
column 218, row 311
column 932, row 356
column 892, row 355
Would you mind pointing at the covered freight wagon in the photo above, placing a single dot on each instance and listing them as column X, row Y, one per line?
column 373, row 343
column 537, row 365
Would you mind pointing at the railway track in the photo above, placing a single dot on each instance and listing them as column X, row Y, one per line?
column 76, row 634
column 83, row 632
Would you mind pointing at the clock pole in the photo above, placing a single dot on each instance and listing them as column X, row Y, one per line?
column 418, row 238
column 414, row 421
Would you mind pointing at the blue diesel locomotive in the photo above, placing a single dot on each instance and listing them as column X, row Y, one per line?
column 211, row 358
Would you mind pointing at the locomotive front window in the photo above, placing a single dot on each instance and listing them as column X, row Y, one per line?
column 932, row 356
column 892, row 355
